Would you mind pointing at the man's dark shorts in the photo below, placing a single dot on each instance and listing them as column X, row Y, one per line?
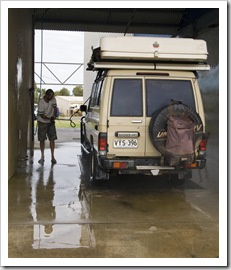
column 46, row 129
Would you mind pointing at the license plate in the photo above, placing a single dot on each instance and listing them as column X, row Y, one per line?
column 125, row 143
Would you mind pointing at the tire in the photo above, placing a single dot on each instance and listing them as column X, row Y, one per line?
column 82, row 131
column 158, row 125
column 92, row 166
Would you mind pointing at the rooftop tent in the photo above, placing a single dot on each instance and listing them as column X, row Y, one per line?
column 150, row 53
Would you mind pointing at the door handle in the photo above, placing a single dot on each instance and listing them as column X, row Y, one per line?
column 136, row 121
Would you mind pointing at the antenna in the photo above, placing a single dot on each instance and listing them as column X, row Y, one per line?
column 129, row 22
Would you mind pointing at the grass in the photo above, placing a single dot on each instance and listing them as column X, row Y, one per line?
column 65, row 124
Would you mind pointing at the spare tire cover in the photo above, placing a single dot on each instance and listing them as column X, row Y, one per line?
column 158, row 124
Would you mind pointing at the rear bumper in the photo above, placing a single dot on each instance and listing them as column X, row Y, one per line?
column 129, row 163
column 148, row 164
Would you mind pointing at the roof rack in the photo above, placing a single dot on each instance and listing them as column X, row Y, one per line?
column 149, row 66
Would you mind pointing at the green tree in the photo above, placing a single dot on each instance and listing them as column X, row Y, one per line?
column 78, row 90
column 37, row 93
column 63, row 92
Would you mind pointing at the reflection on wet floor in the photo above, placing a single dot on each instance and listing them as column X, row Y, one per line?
column 53, row 214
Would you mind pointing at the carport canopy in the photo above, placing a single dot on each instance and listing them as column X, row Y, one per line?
column 160, row 21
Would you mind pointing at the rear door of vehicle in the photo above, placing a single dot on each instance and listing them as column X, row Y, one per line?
column 126, row 120
column 159, row 93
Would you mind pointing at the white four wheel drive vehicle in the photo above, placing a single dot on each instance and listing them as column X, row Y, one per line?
column 145, row 114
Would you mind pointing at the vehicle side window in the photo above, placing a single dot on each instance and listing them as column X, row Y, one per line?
column 96, row 93
column 159, row 94
column 100, row 92
column 93, row 95
column 127, row 98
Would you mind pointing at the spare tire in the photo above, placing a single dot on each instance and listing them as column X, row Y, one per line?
column 158, row 124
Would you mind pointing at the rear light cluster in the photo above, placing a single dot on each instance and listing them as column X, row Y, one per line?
column 190, row 166
column 202, row 146
column 102, row 143
column 202, row 150
column 120, row 165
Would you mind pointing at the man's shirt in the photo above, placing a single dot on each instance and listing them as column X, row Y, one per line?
column 47, row 109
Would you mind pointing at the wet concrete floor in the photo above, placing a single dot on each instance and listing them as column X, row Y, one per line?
column 52, row 214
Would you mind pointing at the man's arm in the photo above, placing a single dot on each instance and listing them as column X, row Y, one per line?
column 45, row 117
column 41, row 111
column 55, row 110
column 55, row 107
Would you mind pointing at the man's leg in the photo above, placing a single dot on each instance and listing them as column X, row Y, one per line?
column 52, row 146
column 42, row 148
column 42, row 130
column 52, row 137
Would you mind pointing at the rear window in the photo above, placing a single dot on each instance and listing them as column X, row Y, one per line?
column 127, row 98
column 159, row 94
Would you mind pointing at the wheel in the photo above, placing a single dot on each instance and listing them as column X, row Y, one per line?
column 92, row 166
column 82, row 131
column 158, row 124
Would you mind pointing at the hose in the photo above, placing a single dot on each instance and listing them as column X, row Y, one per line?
column 72, row 124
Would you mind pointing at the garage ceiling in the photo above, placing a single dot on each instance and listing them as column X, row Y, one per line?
column 168, row 21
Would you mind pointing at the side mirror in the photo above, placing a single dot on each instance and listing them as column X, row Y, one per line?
column 83, row 108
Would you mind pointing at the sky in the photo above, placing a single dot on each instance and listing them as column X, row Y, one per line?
column 59, row 47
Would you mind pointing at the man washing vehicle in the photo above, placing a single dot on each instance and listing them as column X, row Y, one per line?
column 47, row 108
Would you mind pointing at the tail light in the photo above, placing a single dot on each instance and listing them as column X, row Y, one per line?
column 120, row 165
column 190, row 166
column 102, row 143
column 202, row 145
